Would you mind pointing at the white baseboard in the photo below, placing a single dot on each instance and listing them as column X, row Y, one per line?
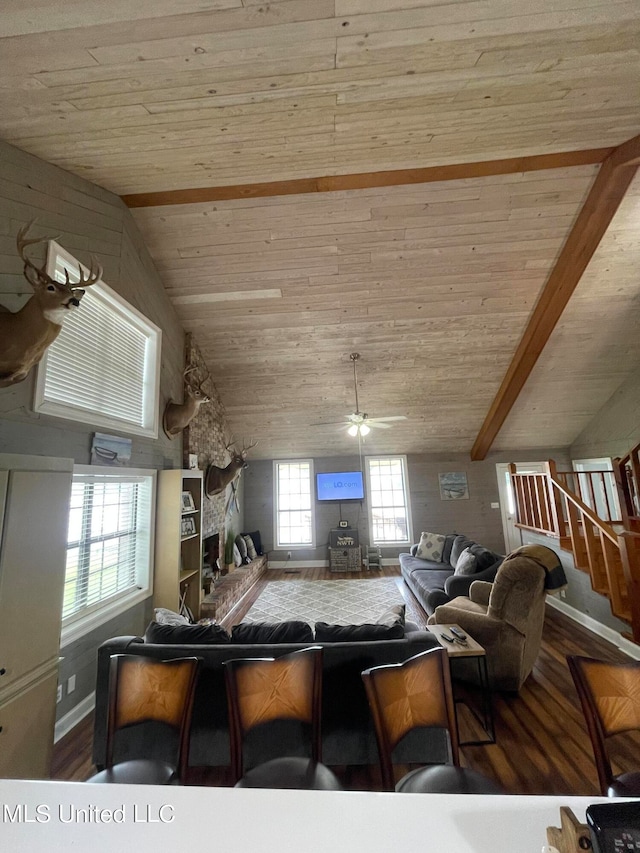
column 73, row 717
column 598, row 628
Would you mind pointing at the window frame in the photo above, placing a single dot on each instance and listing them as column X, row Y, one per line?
column 153, row 334
column 82, row 622
column 407, row 497
column 276, row 511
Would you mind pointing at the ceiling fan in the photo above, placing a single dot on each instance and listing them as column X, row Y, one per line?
column 359, row 423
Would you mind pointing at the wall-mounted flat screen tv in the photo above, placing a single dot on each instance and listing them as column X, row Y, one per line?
column 341, row 486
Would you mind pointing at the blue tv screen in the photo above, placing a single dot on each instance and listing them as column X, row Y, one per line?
column 342, row 486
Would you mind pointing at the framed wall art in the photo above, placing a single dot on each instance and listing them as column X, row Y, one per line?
column 454, row 486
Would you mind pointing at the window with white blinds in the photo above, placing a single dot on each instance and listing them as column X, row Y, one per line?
column 390, row 514
column 294, row 505
column 104, row 366
column 109, row 539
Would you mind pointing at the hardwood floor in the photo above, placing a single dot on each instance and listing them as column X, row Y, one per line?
column 542, row 743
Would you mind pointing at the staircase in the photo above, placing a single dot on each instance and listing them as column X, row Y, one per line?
column 596, row 516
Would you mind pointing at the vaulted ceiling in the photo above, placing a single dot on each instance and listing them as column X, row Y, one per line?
column 433, row 281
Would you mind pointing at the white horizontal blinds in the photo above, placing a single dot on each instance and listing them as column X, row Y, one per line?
column 98, row 361
column 388, row 499
column 295, row 521
column 108, row 539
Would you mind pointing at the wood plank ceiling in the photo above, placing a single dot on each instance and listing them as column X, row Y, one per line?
column 433, row 283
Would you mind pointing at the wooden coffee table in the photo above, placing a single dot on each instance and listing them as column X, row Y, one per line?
column 470, row 649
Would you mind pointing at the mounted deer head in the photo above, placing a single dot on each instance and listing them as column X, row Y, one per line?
column 178, row 415
column 217, row 479
column 27, row 333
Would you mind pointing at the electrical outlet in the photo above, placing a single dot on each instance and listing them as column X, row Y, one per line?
column 71, row 684
column 59, row 694
column 288, row 555
column 563, row 593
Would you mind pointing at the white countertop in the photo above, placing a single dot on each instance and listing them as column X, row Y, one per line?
column 35, row 816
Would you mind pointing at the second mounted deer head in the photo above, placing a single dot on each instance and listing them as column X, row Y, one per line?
column 26, row 334
column 178, row 415
column 217, row 479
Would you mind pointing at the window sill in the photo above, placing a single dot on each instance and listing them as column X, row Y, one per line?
column 79, row 628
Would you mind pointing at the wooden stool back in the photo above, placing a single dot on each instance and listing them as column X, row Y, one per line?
column 147, row 690
column 262, row 690
column 409, row 695
column 610, row 697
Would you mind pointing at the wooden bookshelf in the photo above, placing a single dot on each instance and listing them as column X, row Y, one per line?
column 178, row 563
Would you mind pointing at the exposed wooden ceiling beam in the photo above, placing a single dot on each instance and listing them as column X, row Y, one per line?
column 333, row 183
column 604, row 198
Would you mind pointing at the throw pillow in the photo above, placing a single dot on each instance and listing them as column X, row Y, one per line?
column 357, row 633
column 484, row 557
column 248, row 633
column 242, row 546
column 237, row 558
column 251, row 550
column 169, row 617
column 467, row 563
column 257, row 541
column 199, row 635
column 459, row 544
column 393, row 615
column 430, row 547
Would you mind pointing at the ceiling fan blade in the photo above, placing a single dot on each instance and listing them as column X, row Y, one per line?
column 389, row 418
column 331, row 423
column 376, row 425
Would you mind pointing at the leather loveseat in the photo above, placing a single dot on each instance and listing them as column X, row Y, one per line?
column 436, row 582
column 348, row 735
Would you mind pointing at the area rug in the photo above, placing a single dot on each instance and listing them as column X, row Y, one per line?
column 339, row 602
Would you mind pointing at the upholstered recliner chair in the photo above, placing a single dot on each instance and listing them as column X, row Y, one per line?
column 506, row 616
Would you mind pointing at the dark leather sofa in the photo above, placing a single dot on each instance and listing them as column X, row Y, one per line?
column 436, row 583
column 348, row 736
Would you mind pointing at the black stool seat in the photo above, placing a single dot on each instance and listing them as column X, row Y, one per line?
column 446, row 779
column 301, row 773
column 138, row 772
column 625, row 785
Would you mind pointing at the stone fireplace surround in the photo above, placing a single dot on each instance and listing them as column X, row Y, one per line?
column 229, row 589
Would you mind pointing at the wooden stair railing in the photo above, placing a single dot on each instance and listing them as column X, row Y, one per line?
column 627, row 474
column 596, row 489
column 546, row 504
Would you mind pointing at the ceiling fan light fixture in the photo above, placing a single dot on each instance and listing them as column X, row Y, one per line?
column 364, row 429
column 353, row 430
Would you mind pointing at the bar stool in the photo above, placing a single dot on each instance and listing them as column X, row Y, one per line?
column 147, row 690
column 265, row 690
column 417, row 694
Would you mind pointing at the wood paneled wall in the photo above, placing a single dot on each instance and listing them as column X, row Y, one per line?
column 86, row 220
column 473, row 517
column 159, row 95
column 616, row 427
column 431, row 283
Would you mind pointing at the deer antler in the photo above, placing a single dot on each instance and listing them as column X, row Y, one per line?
column 95, row 274
column 22, row 243
column 247, row 449
column 197, row 385
column 95, row 271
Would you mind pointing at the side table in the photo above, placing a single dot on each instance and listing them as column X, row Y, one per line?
column 470, row 649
